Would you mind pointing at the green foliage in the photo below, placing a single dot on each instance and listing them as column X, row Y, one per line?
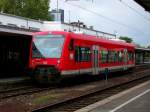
column 148, row 47
column 34, row 9
column 127, row 39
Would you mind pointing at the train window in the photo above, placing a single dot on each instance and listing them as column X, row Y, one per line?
column 71, row 45
column 130, row 55
column 47, row 46
column 120, row 56
column 116, row 56
column 110, row 56
column 113, row 56
column 104, row 54
column 77, row 54
column 86, row 54
column 82, row 54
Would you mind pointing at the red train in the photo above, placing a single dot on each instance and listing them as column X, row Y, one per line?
column 58, row 53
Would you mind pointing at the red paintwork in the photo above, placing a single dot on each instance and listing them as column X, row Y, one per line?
column 49, row 61
column 82, row 40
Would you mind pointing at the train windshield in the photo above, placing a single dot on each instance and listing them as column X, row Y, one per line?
column 47, row 46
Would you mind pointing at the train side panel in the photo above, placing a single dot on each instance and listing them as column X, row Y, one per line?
column 74, row 64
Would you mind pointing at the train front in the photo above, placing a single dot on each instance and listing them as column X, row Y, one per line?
column 45, row 56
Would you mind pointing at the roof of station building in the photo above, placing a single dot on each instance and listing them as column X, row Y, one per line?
column 145, row 4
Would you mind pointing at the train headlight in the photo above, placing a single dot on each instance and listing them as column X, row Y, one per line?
column 45, row 62
column 58, row 62
column 71, row 56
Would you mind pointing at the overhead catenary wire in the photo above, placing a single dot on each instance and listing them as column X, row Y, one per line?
column 107, row 18
column 133, row 9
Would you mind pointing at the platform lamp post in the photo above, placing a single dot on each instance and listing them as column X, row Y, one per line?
column 106, row 72
column 57, row 10
column 115, row 33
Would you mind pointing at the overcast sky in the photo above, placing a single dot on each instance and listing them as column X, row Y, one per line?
column 123, row 17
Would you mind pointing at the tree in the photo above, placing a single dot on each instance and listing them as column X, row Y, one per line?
column 34, row 9
column 127, row 39
column 148, row 47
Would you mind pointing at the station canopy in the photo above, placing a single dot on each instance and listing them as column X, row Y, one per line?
column 145, row 4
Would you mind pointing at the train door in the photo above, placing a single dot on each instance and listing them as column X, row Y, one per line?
column 95, row 59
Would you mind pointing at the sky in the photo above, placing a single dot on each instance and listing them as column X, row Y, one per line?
column 120, row 17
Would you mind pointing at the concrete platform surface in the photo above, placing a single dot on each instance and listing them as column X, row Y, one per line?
column 136, row 99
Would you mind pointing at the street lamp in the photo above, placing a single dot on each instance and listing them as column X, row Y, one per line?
column 57, row 10
column 115, row 33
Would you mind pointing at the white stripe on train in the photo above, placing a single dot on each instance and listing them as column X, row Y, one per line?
column 90, row 70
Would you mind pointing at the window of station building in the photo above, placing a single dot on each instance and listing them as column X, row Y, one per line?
column 82, row 54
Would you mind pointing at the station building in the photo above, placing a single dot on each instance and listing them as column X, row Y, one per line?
column 142, row 56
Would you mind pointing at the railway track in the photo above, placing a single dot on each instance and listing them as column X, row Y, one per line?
column 75, row 99
column 86, row 99
column 26, row 90
column 78, row 103
column 142, row 67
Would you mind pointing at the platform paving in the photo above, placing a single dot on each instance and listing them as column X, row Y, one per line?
column 136, row 99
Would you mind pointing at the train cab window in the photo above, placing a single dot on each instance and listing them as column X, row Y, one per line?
column 82, row 54
column 47, row 46
column 71, row 45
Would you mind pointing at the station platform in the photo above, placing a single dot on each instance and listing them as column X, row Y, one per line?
column 13, row 80
column 136, row 99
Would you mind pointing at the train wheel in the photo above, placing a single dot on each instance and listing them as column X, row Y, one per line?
column 46, row 78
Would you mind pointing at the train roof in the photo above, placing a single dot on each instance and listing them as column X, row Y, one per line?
column 142, row 49
column 88, row 38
